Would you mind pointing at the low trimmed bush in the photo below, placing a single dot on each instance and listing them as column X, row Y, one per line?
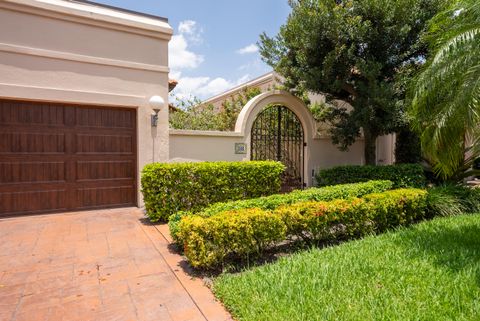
column 328, row 193
column 320, row 221
column 171, row 187
column 402, row 175
column 274, row 201
column 209, row 241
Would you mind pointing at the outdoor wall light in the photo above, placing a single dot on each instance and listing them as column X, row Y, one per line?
column 156, row 102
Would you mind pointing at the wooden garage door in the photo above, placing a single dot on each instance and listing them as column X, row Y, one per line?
column 56, row 157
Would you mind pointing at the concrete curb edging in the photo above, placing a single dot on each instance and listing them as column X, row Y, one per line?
column 201, row 295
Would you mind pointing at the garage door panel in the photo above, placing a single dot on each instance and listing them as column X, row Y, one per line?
column 105, row 118
column 24, row 113
column 105, row 170
column 56, row 157
column 31, row 143
column 104, row 144
column 32, row 201
column 32, row 172
column 105, row 196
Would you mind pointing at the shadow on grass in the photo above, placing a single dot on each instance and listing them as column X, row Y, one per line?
column 235, row 264
column 454, row 248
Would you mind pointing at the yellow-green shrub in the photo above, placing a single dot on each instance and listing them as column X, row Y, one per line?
column 318, row 221
column 209, row 241
column 272, row 202
column 397, row 207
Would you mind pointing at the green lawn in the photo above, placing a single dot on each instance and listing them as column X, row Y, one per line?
column 430, row 271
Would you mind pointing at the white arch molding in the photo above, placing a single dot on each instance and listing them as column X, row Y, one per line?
column 255, row 106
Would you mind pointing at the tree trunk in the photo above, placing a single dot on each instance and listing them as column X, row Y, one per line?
column 370, row 148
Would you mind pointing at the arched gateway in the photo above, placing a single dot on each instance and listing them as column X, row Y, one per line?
column 278, row 126
column 277, row 134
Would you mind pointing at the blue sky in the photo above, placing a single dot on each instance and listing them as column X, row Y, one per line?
column 213, row 48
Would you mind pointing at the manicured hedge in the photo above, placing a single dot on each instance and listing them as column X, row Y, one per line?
column 402, row 175
column 209, row 241
column 342, row 191
column 172, row 187
column 320, row 221
column 273, row 201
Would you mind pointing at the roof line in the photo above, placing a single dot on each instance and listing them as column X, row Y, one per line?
column 245, row 84
column 92, row 3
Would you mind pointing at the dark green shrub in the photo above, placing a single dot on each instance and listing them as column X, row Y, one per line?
column 209, row 241
column 273, row 201
column 407, row 147
column 452, row 199
column 169, row 188
column 402, row 175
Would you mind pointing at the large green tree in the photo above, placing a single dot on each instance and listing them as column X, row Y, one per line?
column 352, row 50
column 446, row 99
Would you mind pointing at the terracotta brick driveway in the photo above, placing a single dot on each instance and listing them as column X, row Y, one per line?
column 99, row 265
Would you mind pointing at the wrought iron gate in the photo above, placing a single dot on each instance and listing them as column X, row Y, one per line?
column 277, row 134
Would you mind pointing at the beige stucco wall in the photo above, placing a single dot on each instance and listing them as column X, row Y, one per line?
column 319, row 153
column 191, row 146
column 323, row 154
column 57, row 51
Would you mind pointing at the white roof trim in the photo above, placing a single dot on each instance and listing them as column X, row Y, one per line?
column 93, row 15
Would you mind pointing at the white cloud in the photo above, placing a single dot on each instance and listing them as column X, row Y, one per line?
column 252, row 48
column 205, row 87
column 181, row 56
column 191, row 31
column 187, row 26
column 175, row 74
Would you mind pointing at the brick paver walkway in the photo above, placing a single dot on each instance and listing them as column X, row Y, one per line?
column 99, row 265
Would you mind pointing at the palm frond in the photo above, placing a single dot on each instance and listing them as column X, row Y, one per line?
column 445, row 105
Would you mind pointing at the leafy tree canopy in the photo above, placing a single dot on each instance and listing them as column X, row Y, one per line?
column 195, row 115
column 356, row 51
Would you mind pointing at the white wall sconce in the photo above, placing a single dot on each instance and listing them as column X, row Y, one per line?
column 156, row 102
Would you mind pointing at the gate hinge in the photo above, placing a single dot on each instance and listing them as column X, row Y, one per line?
column 304, row 144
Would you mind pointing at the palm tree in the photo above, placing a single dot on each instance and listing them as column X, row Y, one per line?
column 446, row 98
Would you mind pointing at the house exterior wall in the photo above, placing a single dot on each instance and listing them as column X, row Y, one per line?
column 320, row 153
column 194, row 146
column 324, row 154
column 75, row 53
